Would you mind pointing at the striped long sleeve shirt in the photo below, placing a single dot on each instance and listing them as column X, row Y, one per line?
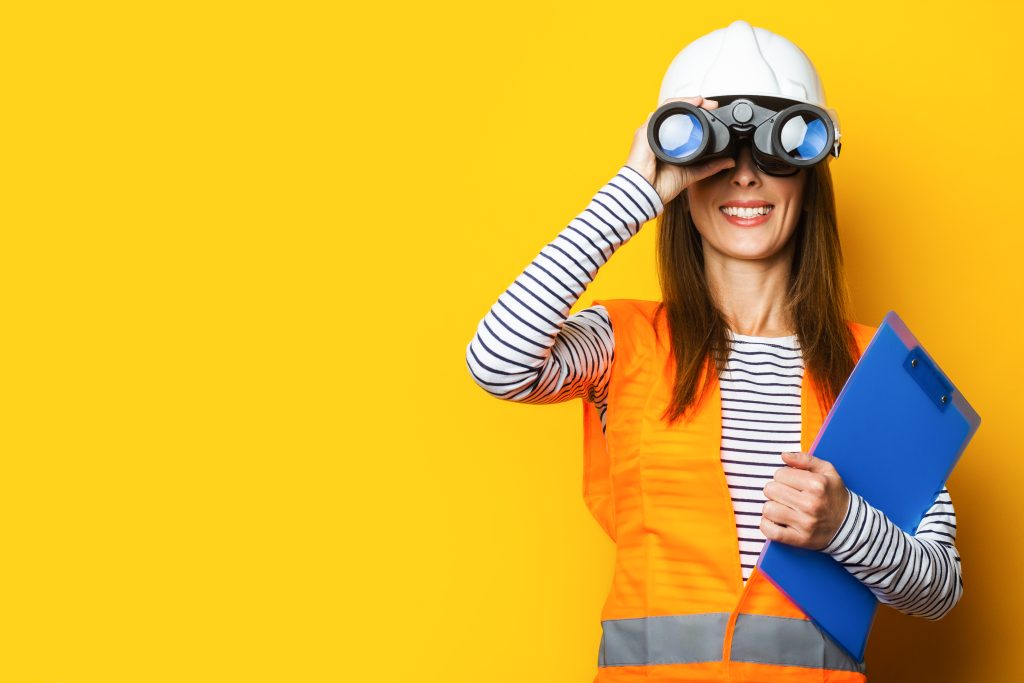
column 528, row 349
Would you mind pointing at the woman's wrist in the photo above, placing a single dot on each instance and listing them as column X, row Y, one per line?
column 650, row 191
column 845, row 527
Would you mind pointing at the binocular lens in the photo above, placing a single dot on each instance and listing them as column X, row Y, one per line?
column 680, row 135
column 804, row 136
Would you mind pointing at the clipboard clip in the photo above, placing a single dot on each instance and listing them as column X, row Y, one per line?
column 929, row 378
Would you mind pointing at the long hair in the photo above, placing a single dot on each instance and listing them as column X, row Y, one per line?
column 817, row 299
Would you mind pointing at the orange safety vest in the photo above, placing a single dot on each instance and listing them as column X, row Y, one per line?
column 678, row 609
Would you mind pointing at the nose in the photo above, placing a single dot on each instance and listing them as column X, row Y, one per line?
column 745, row 173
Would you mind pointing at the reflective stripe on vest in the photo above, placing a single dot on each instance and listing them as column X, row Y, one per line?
column 681, row 639
column 691, row 638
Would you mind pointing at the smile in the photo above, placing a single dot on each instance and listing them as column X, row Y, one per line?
column 742, row 212
column 747, row 217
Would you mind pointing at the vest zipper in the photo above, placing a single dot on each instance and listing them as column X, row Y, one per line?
column 730, row 625
column 738, row 564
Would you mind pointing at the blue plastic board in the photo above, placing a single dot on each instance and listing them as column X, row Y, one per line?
column 894, row 434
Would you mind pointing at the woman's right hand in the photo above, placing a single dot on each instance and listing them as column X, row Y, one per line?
column 668, row 179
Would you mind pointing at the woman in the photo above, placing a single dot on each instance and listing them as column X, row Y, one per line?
column 698, row 411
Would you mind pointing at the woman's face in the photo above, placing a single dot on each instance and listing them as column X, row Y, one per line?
column 742, row 183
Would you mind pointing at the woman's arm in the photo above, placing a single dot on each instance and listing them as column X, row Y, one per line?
column 917, row 574
column 527, row 348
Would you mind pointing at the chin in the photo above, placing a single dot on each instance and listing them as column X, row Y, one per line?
column 750, row 253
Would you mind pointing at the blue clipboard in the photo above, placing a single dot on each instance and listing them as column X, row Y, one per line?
column 894, row 434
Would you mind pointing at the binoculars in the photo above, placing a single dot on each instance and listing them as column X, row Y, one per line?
column 784, row 135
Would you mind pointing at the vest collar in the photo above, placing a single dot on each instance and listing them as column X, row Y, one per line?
column 709, row 411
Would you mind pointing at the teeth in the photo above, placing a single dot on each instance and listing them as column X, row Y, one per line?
column 745, row 212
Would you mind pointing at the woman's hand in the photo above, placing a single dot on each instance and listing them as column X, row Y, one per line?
column 668, row 179
column 807, row 502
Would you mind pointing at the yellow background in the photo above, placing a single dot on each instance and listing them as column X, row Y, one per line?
column 245, row 246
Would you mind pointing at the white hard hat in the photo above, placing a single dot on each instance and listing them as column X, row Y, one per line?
column 744, row 60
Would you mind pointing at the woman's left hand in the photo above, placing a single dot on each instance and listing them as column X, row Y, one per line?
column 807, row 502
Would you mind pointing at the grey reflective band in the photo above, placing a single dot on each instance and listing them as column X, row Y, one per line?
column 691, row 638
column 677, row 639
column 788, row 642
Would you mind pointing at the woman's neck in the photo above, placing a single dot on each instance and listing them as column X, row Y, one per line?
column 752, row 294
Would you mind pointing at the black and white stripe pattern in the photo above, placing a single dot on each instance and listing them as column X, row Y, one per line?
column 760, row 420
column 530, row 350
column 527, row 348
column 919, row 574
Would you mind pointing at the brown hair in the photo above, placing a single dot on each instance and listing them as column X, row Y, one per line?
column 817, row 299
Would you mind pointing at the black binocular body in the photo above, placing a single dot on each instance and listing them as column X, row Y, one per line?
column 784, row 135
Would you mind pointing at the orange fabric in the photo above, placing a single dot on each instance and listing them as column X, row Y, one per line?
column 664, row 673
column 661, row 495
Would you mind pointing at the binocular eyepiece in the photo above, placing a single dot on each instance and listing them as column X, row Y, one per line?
column 784, row 135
